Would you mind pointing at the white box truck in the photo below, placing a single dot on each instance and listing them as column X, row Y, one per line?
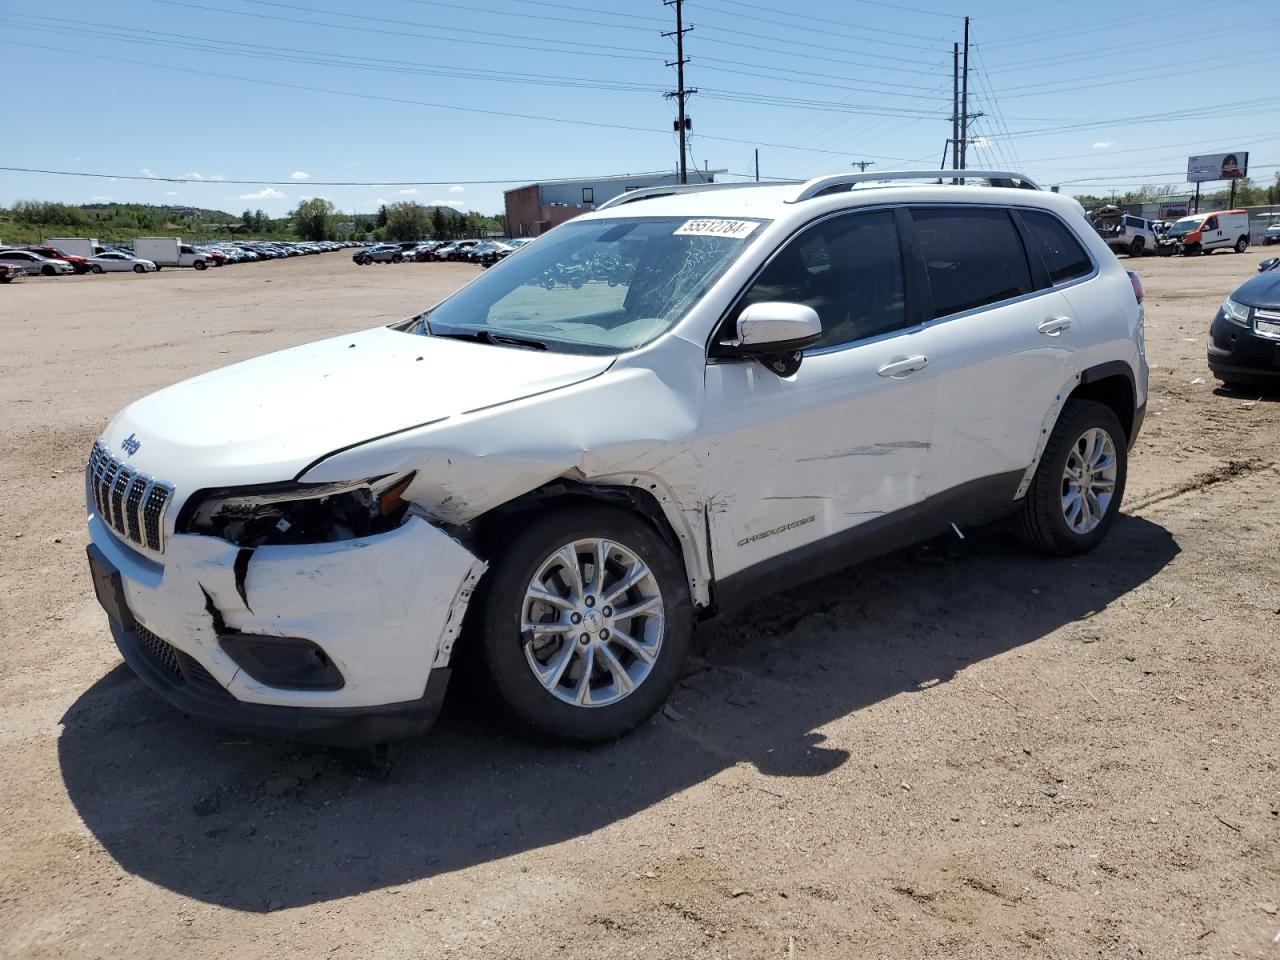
column 76, row 246
column 169, row 252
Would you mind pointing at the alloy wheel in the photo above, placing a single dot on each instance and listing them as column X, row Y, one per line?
column 592, row 622
column 1089, row 480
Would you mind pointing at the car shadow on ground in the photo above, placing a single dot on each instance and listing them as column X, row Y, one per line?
column 258, row 826
column 1264, row 393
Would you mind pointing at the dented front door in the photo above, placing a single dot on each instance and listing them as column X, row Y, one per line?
column 789, row 462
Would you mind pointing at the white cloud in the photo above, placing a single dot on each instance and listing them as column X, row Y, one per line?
column 299, row 175
column 217, row 176
column 1104, row 144
column 147, row 173
column 266, row 193
column 411, row 192
column 171, row 193
column 457, row 189
column 193, row 175
column 457, row 204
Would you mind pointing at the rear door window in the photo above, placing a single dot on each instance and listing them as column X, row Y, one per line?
column 972, row 256
column 1064, row 258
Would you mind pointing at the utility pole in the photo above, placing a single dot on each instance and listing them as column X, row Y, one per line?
column 955, row 108
column 683, row 122
column 862, row 165
column 757, row 164
column 964, row 101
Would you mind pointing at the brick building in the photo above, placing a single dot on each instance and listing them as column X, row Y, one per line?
column 536, row 208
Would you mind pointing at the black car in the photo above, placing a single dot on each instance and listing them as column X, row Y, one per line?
column 1244, row 339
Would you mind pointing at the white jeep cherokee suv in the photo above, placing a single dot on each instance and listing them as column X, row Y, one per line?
column 655, row 413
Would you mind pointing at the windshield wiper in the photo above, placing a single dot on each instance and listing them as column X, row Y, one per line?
column 488, row 336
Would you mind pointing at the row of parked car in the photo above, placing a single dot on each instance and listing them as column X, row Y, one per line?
column 1192, row 235
column 146, row 255
column 483, row 252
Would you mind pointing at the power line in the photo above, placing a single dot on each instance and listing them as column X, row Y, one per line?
column 317, row 183
column 407, row 101
column 401, row 32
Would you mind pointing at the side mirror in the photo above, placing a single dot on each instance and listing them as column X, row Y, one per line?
column 770, row 328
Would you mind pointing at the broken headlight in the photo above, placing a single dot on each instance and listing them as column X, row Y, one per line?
column 294, row 513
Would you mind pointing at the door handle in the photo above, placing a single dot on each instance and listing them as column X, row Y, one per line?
column 1054, row 326
column 904, row 367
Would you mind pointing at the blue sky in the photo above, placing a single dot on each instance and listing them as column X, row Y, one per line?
column 448, row 92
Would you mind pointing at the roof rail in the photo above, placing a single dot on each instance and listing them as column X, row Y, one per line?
column 648, row 193
column 822, row 186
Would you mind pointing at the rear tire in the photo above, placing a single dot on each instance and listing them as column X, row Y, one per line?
column 1136, row 248
column 626, row 687
column 1052, row 518
column 1242, row 245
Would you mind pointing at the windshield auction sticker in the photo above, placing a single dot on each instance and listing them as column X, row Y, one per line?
column 734, row 229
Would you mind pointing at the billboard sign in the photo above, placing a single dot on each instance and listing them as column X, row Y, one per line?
column 1218, row 166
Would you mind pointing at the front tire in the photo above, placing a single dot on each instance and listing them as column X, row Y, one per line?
column 48, row 271
column 137, row 268
column 1079, row 483
column 200, row 265
column 96, row 268
column 578, row 648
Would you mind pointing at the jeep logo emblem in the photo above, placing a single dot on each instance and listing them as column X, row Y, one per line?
column 130, row 444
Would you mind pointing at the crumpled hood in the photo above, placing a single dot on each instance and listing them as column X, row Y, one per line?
column 266, row 419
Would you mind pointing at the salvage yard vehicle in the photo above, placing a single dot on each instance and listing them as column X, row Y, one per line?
column 1244, row 337
column 78, row 264
column 10, row 272
column 383, row 253
column 1124, row 232
column 774, row 381
column 35, row 264
column 1206, row 232
column 1271, row 235
column 170, row 252
column 117, row 261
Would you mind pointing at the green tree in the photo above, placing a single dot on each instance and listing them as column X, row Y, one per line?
column 382, row 215
column 439, row 224
column 313, row 219
column 406, row 221
column 260, row 220
column 247, row 219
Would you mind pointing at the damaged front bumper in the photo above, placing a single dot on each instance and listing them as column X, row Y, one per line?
column 347, row 642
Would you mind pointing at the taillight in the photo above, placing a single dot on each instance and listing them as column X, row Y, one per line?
column 1138, row 293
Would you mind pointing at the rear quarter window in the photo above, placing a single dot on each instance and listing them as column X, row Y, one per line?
column 1064, row 258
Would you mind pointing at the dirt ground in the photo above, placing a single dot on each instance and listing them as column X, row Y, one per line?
column 963, row 750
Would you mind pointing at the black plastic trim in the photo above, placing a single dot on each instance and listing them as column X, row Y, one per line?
column 338, row 726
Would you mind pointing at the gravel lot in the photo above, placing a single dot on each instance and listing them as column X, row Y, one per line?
column 961, row 751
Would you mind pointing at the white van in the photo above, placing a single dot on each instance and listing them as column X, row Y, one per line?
column 1206, row 232
column 76, row 246
column 170, row 252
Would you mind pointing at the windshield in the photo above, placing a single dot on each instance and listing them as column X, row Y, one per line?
column 596, row 286
column 1183, row 227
